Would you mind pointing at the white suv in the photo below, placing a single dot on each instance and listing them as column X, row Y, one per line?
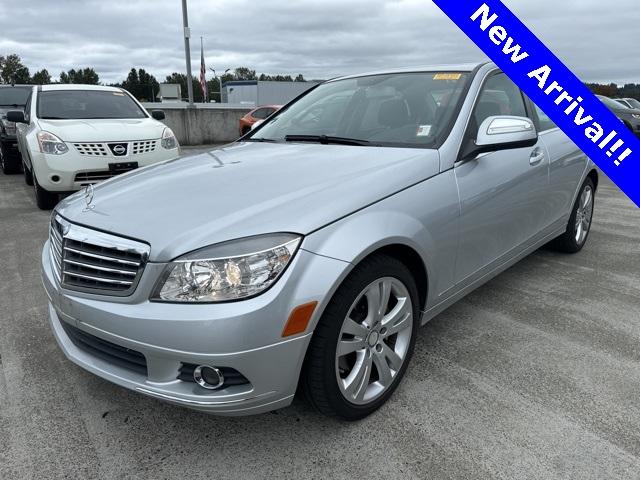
column 71, row 136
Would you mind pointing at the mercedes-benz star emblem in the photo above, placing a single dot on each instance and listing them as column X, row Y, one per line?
column 88, row 197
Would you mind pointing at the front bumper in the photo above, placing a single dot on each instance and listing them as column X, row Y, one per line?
column 242, row 335
column 64, row 173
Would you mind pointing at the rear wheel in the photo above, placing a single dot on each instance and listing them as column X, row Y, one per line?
column 7, row 164
column 364, row 341
column 45, row 199
column 577, row 233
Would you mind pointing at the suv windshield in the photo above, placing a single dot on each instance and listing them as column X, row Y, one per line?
column 405, row 109
column 86, row 104
column 10, row 96
column 611, row 104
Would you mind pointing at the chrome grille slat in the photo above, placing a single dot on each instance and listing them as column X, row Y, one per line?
column 101, row 268
column 95, row 262
column 102, row 257
column 97, row 279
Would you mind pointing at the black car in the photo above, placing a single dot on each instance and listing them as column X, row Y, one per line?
column 12, row 97
column 629, row 116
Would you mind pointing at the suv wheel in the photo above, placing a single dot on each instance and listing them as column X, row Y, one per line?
column 8, row 165
column 28, row 176
column 364, row 341
column 579, row 225
column 44, row 199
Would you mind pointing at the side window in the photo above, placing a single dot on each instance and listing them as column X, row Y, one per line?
column 499, row 96
column 260, row 114
column 27, row 109
column 545, row 122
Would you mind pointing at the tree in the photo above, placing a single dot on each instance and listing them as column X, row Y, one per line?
column 41, row 78
column 181, row 79
column 141, row 85
column 13, row 71
column 84, row 76
column 244, row 73
column 300, row 78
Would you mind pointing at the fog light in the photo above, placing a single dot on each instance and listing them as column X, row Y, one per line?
column 55, row 178
column 208, row 377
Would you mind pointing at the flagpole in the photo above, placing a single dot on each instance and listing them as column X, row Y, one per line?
column 204, row 88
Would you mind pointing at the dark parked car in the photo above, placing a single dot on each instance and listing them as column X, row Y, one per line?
column 629, row 102
column 629, row 116
column 11, row 98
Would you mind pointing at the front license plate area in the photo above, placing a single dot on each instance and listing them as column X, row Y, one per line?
column 122, row 167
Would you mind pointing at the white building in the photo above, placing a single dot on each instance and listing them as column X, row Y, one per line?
column 254, row 92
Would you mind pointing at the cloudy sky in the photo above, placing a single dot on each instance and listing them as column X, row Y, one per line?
column 323, row 38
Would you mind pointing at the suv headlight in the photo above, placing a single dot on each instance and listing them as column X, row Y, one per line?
column 635, row 115
column 51, row 144
column 169, row 140
column 227, row 271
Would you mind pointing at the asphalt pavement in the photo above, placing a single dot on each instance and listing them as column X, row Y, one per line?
column 535, row 375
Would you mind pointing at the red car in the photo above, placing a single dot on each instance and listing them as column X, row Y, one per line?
column 258, row 113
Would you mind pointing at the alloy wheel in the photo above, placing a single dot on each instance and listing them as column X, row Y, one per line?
column 584, row 215
column 374, row 340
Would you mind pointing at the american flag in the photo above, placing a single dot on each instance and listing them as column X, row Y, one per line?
column 203, row 73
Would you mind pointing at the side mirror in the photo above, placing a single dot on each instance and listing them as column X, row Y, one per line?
column 157, row 114
column 502, row 133
column 16, row 116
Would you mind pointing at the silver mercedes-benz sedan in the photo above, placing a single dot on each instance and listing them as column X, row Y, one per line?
column 305, row 255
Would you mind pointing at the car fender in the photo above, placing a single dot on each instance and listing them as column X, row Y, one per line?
column 354, row 238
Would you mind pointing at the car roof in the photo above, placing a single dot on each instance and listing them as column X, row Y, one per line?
column 459, row 67
column 77, row 86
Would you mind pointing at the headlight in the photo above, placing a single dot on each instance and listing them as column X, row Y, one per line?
column 169, row 139
column 51, row 144
column 9, row 127
column 635, row 115
column 227, row 271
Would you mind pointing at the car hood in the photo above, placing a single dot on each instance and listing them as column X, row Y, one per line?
column 246, row 189
column 104, row 130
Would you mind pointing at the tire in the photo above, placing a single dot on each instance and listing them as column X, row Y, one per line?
column 44, row 199
column 28, row 176
column 8, row 165
column 330, row 382
column 577, row 233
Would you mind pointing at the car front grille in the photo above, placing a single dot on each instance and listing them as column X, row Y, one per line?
column 100, row 149
column 107, row 351
column 95, row 262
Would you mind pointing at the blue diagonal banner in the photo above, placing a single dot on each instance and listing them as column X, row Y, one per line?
column 553, row 87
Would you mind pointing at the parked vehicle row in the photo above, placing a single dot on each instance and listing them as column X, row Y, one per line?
column 308, row 254
column 629, row 116
column 70, row 136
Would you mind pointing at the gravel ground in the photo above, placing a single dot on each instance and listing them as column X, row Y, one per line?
column 535, row 375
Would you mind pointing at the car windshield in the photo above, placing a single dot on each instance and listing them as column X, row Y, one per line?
column 14, row 96
column 409, row 109
column 633, row 102
column 86, row 104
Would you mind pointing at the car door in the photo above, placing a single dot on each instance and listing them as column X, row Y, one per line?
column 567, row 164
column 503, row 193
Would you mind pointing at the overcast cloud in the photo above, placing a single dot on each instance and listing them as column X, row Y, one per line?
column 320, row 39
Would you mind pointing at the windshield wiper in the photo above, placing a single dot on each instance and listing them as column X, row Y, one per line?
column 14, row 105
column 260, row 139
column 54, row 118
column 326, row 140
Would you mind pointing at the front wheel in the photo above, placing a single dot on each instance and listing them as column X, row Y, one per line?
column 364, row 341
column 45, row 199
column 577, row 233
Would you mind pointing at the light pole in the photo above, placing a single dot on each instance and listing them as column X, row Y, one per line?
column 187, row 51
column 215, row 75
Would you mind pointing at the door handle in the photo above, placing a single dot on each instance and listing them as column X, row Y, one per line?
column 537, row 156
